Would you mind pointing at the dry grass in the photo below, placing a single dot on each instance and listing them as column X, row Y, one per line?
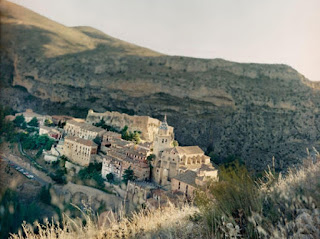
column 293, row 204
column 170, row 222
column 290, row 209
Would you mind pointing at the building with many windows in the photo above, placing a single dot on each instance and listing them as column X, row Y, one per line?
column 82, row 130
column 79, row 150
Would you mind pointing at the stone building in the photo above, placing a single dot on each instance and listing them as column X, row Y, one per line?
column 79, row 150
column 162, row 139
column 139, row 191
column 51, row 132
column 110, row 137
column 82, row 130
column 189, row 180
column 118, row 160
column 173, row 161
column 56, row 119
column 146, row 125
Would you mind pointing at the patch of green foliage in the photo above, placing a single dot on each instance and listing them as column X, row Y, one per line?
column 93, row 171
column 130, row 136
column 14, row 212
column 33, row 122
column 103, row 125
column 35, row 141
column 45, row 195
column 128, row 175
column 59, row 176
column 150, row 159
column 19, row 120
column 48, row 122
column 6, row 127
column 110, row 177
column 235, row 198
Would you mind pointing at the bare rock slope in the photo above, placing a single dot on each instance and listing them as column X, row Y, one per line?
column 254, row 111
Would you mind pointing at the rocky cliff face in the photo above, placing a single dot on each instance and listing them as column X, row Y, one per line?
column 254, row 111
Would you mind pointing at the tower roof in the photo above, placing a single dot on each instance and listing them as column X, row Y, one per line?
column 164, row 124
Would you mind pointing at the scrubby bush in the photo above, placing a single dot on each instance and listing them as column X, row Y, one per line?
column 19, row 120
column 273, row 207
column 33, row 122
column 230, row 201
column 128, row 175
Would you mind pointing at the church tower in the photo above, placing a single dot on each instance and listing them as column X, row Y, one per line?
column 162, row 139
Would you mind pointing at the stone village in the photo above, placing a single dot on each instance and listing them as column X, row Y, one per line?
column 162, row 170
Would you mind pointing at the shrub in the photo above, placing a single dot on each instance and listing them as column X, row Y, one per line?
column 34, row 122
column 45, row 195
column 110, row 177
column 128, row 175
column 19, row 120
column 230, row 202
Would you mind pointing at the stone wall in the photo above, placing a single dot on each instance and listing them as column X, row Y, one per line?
column 146, row 125
column 175, row 187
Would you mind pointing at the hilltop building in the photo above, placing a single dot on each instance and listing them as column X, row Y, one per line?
column 171, row 161
column 120, row 158
column 189, row 180
column 109, row 137
column 61, row 119
column 79, row 150
column 146, row 125
column 162, row 139
column 82, row 130
column 51, row 132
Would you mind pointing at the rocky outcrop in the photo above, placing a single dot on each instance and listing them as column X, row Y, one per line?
column 254, row 111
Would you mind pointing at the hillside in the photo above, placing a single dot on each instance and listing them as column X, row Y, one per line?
column 253, row 111
column 289, row 209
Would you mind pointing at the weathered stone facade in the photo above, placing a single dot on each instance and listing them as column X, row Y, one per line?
column 79, row 150
column 173, row 161
column 189, row 180
column 146, row 125
column 82, row 129
column 118, row 160
column 51, row 132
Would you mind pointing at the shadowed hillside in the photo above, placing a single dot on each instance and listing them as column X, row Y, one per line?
column 253, row 111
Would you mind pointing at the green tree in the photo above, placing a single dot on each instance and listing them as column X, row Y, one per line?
column 128, row 175
column 98, row 179
column 136, row 137
column 14, row 212
column 110, row 177
column 34, row 122
column 19, row 120
column 48, row 122
column 150, row 159
column 175, row 143
column 45, row 195
column 97, row 140
column 59, row 176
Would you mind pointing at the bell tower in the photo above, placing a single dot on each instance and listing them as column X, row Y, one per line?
column 162, row 139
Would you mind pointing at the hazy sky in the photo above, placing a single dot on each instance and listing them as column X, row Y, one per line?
column 263, row 31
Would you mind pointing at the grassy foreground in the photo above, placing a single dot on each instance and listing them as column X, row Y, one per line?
column 275, row 207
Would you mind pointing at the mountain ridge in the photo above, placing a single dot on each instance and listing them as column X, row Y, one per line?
column 253, row 111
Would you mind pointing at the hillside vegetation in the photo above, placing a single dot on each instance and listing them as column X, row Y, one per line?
column 280, row 208
column 249, row 111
